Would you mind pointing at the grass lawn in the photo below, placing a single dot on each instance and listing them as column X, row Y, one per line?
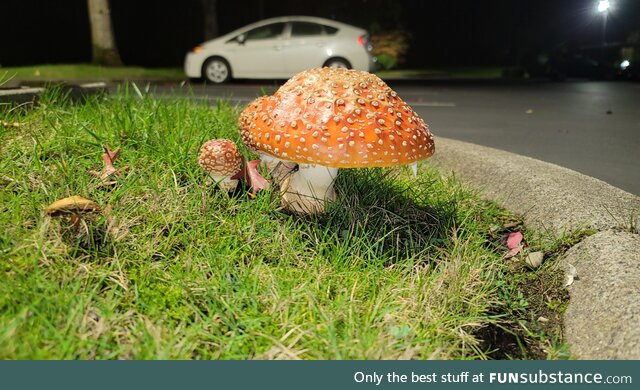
column 88, row 72
column 399, row 267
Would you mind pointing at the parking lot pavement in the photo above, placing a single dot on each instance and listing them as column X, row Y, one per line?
column 590, row 127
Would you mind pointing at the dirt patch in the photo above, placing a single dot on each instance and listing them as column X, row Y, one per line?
column 529, row 320
column 534, row 331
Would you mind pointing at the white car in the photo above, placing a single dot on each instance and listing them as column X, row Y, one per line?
column 278, row 48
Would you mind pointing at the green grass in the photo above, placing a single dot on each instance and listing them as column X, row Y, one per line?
column 88, row 72
column 399, row 267
column 81, row 72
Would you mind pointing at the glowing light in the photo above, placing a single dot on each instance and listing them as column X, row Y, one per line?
column 624, row 64
column 603, row 5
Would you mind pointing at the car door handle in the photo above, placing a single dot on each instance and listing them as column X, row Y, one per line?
column 320, row 44
column 278, row 48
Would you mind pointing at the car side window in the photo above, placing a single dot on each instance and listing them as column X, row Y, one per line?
column 265, row 32
column 305, row 29
column 330, row 30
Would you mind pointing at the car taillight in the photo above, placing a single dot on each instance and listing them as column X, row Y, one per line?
column 363, row 40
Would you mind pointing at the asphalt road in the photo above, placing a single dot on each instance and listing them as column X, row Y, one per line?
column 590, row 127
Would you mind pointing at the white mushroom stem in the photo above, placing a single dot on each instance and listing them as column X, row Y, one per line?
column 278, row 169
column 414, row 169
column 225, row 183
column 307, row 190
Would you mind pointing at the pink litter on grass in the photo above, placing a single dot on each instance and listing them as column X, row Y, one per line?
column 514, row 239
column 252, row 176
column 514, row 243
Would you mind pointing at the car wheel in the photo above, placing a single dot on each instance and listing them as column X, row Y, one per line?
column 337, row 63
column 216, row 70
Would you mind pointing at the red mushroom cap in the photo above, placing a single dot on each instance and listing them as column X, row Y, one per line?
column 338, row 118
column 220, row 157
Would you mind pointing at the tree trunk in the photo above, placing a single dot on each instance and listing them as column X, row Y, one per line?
column 104, row 47
column 210, row 13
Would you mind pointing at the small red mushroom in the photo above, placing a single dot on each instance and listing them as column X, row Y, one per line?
column 330, row 118
column 225, row 165
column 221, row 159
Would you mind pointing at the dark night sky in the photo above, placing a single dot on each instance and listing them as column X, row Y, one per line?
column 444, row 33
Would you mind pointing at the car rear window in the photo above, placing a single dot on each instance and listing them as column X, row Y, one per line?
column 305, row 29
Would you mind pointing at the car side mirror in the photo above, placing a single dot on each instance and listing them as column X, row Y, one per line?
column 241, row 39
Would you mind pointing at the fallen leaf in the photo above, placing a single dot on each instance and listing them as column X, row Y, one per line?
column 514, row 244
column 512, row 252
column 109, row 158
column 254, row 179
column 514, row 239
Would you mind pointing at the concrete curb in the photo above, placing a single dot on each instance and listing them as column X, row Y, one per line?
column 29, row 96
column 602, row 319
column 10, row 97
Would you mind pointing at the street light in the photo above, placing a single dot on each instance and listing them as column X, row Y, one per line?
column 603, row 5
column 603, row 8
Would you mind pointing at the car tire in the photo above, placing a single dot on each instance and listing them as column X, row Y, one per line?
column 216, row 70
column 337, row 63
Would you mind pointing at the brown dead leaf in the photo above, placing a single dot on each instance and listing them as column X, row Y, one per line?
column 109, row 158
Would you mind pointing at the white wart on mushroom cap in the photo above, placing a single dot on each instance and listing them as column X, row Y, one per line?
column 335, row 118
column 222, row 160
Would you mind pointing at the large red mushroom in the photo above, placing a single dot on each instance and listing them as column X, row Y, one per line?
column 328, row 118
